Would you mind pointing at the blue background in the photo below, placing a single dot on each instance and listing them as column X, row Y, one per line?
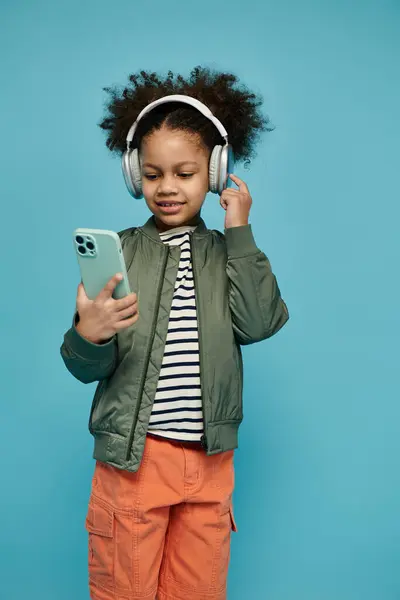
column 318, row 470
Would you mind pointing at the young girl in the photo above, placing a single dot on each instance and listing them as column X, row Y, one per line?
column 168, row 404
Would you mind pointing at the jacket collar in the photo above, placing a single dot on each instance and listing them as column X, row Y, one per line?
column 150, row 229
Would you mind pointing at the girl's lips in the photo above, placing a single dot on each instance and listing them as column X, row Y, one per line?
column 170, row 210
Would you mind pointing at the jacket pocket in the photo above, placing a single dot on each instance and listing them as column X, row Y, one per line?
column 96, row 399
column 240, row 377
column 110, row 545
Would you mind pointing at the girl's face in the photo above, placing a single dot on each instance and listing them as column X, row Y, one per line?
column 174, row 176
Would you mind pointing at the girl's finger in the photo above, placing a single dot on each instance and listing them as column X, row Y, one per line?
column 126, row 322
column 241, row 184
column 230, row 193
column 131, row 311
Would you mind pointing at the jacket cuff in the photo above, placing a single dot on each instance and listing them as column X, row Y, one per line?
column 86, row 349
column 240, row 241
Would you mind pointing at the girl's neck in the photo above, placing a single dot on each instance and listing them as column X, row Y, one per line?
column 162, row 227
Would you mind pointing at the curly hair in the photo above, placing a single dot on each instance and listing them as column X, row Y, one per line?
column 232, row 103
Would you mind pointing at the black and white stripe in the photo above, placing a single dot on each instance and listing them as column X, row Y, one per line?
column 177, row 412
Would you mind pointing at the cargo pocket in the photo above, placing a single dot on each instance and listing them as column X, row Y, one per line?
column 233, row 522
column 100, row 527
column 110, row 545
column 222, row 548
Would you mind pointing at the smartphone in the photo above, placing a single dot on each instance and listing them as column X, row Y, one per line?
column 100, row 257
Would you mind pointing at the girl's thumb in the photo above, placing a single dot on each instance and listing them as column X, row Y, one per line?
column 81, row 292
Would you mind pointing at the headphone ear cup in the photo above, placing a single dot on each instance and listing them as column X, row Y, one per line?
column 136, row 173
column 214, row 169
column 132, row 173
column 226, row 163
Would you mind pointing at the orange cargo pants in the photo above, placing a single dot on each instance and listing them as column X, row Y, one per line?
column 164, row 532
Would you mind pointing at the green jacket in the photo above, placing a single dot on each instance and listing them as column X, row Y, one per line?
column 238, row 302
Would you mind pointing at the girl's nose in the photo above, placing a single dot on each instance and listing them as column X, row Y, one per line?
column 168, row 184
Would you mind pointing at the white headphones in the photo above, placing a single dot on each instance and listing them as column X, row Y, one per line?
column 221, row 161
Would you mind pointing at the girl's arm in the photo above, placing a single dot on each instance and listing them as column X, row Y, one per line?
column 257, row 309
column 86, row 361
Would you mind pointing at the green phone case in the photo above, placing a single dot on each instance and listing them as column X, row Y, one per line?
column 100, row 257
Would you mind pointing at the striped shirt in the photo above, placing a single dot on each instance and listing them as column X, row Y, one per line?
column 177, row 411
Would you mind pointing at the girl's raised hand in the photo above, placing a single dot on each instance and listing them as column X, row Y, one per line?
column 236, row 203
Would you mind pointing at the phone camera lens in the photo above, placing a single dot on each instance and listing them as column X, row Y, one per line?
column 79, row 239
column 82, row 249
column 90, row 246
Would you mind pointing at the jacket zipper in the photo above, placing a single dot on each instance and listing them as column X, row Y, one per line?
column 203, row 439
column 153, row 331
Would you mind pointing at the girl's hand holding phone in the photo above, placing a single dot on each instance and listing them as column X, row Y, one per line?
column 100, row 319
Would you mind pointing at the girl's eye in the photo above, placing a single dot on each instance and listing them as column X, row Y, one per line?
column 153, row 176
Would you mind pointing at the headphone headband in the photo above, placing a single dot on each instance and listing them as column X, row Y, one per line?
column 185, row 100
